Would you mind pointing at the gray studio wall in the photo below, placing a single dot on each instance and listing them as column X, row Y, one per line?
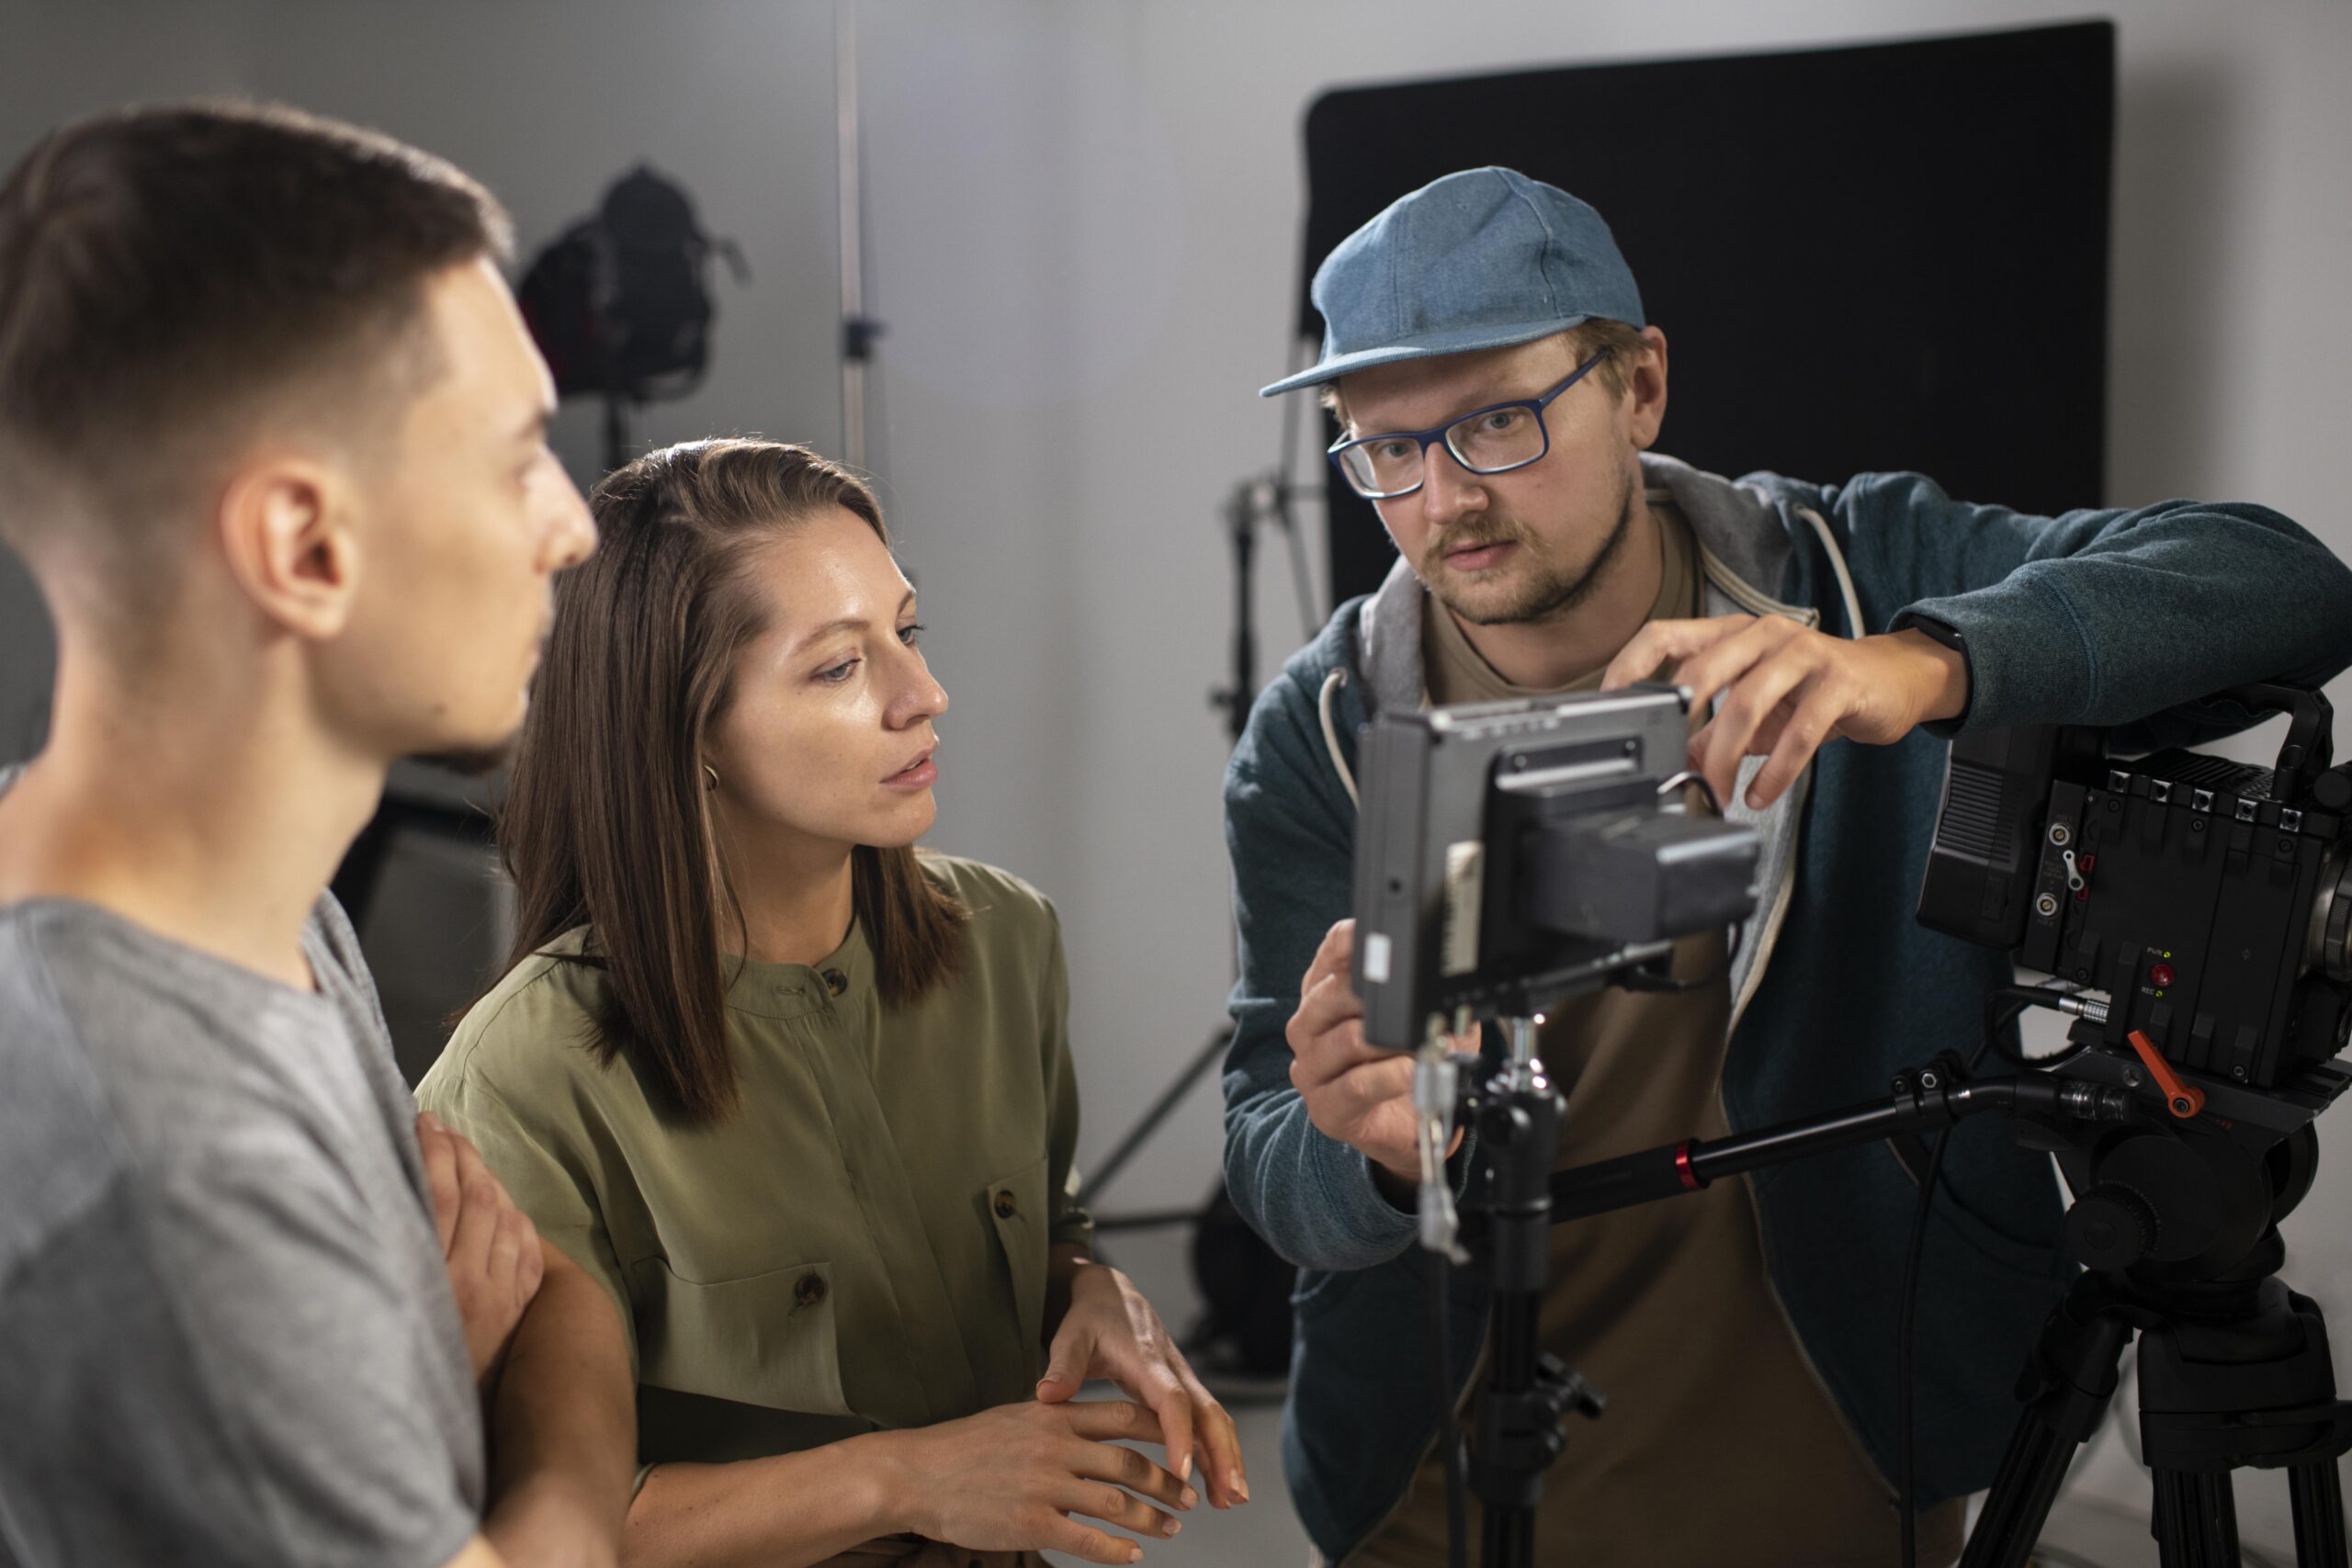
column 1084, row 220
column 547, row 103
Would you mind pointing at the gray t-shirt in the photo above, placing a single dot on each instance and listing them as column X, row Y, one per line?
column 226, row 1335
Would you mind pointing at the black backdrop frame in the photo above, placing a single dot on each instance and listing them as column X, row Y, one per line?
column 1884, row 256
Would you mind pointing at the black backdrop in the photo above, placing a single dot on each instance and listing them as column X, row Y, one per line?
column 1890, row 256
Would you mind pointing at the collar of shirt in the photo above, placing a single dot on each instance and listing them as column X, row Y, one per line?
column 798, row 990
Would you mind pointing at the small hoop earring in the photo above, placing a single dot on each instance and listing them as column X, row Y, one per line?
column 710, row 776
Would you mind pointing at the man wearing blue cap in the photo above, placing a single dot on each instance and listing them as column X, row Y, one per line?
column 1500, row 390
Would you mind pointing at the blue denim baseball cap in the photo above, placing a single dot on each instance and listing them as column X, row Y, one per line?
column 1483, row 259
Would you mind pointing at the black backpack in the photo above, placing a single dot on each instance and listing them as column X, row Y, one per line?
column 619, row 303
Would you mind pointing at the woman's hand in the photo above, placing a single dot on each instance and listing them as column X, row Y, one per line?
column 1008, row 1479
column 1110, row 1331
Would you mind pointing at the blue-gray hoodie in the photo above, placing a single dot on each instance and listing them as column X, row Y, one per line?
column 2106, row 618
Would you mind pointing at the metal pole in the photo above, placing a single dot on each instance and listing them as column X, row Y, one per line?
column 854, row 335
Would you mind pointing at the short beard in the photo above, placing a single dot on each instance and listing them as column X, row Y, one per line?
column 1553, row 595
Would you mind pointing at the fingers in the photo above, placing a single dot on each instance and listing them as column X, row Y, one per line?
column 1708, row 671
column 480, row 1198
column 532, row 1271
column 1333, row 954
column 1112, row 1421
column 504, row 1255
column 1320, row 1053
column 1115, row 1505
column 1754, row 697
column 516, row 1264
column 1133, row 1470
column 1816, row 717
column 1217, row 1445
column 440, row 1175
column 1091, row 1545
column 1361, row 1089
column 1067, row 1364
column 1327, row 1001
column 1667, row 642
column 1174, row 1407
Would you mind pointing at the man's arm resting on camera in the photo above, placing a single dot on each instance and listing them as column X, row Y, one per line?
column 2106, row 616
column 562, row 1426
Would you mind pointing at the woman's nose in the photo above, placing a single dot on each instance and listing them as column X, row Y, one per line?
column 921, row 698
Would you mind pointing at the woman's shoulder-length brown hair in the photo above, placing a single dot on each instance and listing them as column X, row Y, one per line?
column 606, row 822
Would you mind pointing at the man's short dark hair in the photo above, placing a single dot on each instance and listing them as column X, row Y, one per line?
column 170, row 275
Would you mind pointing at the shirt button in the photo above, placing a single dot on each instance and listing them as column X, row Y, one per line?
column 809, row 1289
column 836, row 982
column 1005, row 1207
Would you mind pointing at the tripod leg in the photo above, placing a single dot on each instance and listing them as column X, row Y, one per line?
column 2027, row 1483
column 2195, row 1522
column 2067, row 1384
column 2316, row 1493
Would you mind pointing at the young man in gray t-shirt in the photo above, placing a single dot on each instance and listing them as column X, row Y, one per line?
column 274, row 437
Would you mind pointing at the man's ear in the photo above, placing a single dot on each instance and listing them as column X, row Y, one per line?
column 1646, row 389
column 286, row 529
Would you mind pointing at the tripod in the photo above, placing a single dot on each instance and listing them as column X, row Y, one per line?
column 2175, row 1218
column 2233, row 1371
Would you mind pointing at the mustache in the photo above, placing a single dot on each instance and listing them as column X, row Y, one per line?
column 1474, row 534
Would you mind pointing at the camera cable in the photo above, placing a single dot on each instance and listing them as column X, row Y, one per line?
column 2002, row 1009
column 1449, row 1440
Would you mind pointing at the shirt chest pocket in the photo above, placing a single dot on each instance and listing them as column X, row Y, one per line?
column 767, row 1339
column 1015, row 1206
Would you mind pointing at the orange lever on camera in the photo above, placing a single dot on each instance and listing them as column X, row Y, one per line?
column 2183, row 1100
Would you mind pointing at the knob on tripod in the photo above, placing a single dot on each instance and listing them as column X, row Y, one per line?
column 2111, row 1227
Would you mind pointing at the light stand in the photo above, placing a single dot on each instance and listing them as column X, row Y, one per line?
column 1259, row 501
column 1528, row 1395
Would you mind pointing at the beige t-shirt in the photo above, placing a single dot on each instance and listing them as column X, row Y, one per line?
column 1720, row 1446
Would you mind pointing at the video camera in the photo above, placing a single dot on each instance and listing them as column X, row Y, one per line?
column 1513, row 853
column 2212, row 901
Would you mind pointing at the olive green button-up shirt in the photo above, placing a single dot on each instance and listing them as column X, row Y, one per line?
column 863, row 1243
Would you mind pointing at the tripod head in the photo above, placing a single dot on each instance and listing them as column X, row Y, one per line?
column 2168, row 1199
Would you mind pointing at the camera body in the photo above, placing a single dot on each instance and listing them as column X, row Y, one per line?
column 1512, row 853
column 2212, row 901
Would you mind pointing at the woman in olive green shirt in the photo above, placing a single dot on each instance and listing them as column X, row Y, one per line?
column 799, row 1096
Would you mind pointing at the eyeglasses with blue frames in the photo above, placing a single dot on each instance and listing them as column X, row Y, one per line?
column 1492, row 440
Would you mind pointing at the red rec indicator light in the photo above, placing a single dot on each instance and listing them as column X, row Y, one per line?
column 2162, row 976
